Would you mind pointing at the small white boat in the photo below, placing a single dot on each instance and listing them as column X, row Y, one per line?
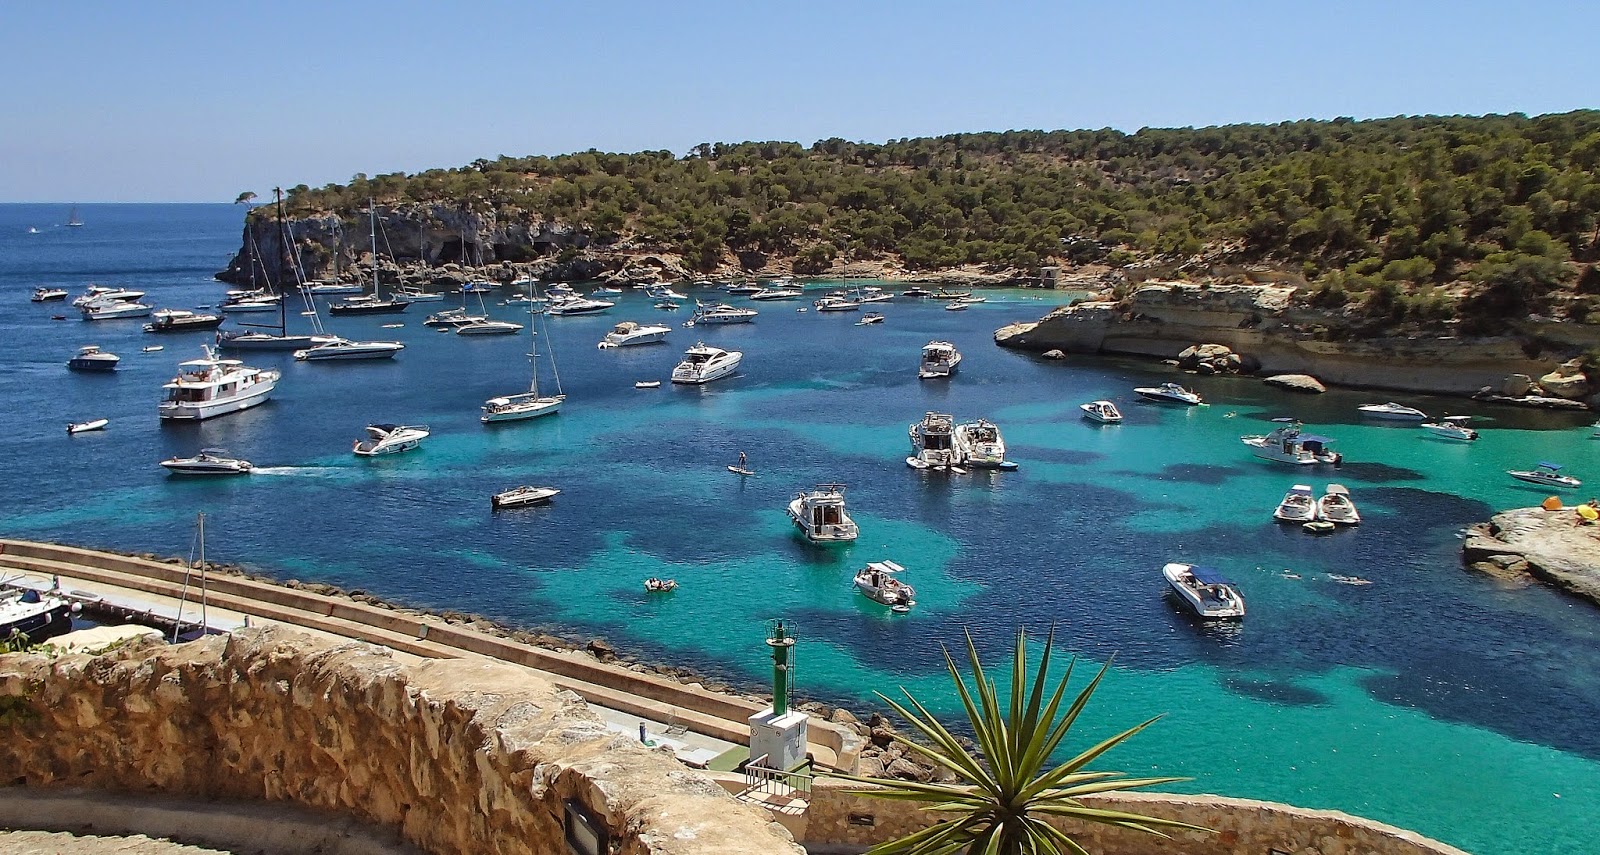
column 836, row 304
column 210, row 461
column 1393, row 412
column 820, row 515
column 630, row 333
column 181, row 320
column 152, row 348
column 1337, row 507
column 48, row 295
column 415, row 294
column 1451, row 427
column 1287, row 444
column 488, row 327
column 521, row 497
column 704, row 363
column 1298, row 505
column 1168, row 393
column 343, row 349
column 933, row 442
column 742, row 289
column 253, row 303
column 955, row 307
column 870, row 318
column 942, row 294
column 718, row 313
column 323, row 289
column 878, row 583
column 647, row 384
column 980, row 444
column 390, row 439
column 91, row 358
column 662, row 292
column 653, row 585
column 85, row 427
column 939, row 359
column 1204, row 591
column 1545, row 475
column 605, row 291
column 1104, row 412
column 872, row 294
column 39, row 615
column 916, row 291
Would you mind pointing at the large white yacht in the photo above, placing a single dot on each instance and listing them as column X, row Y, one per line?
column 980, row 444
column 933, row 442
column 629, row 332
column 1451, row 427
column 212, row 387
column 939, row 359
column 107, row 308
column 453, row 317
column 390, row 439
column 342, row 349
column 1287, row 444
column 485, row 326
column 1169, row 393
column 95, row 293
column 719, row 313
column 820, row 515
column 779, row 292
column 1204, row 591
column 704, row 363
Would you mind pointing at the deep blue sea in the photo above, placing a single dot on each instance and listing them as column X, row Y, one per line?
column 1433, row 698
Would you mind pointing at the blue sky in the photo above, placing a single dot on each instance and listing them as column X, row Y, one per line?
column 199, row 101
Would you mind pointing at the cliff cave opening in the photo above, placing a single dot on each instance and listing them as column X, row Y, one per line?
column 454, row 249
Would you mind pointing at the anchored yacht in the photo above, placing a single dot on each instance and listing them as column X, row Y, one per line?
column 345, row 349
column 933, row 442
column 719, row 313
column 878, row 583
column 1204, row 591
column 1104, row 412
column 1298, row 505
column 820, row 515
column 390, row 439
column 979, row 444
column 704, row 363
column 1287, row 444
column 1169, row 393
column 91, row 358
column 939, row 359
column 212, row 387
column 629, row 332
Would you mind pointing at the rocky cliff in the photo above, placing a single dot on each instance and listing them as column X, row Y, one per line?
column 1285, row 336
column 1558, row 547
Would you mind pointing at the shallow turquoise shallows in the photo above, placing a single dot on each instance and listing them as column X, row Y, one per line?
column 1431, row 698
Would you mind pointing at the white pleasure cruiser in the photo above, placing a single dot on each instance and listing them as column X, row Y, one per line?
column 629, row 332
column 210, row 461
column 1286, row 444
column 980, row 444
column 1169, row 393
column 719, row 313
column 1298, row 505
column 877, row 581
column 939, row 359
column 96, row 293
column 933, row 442
column 1451, row 427
column 212, row 387
column 343, row 348
column 390, row 439
column 1337, row 507
column 1104, row 412
column 820, row 515
column 704, row 363
column 1393, row 412
column 107, row 308
column 1205, row 592
column 578, row 306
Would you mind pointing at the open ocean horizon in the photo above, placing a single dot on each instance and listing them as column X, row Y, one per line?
column 1432, row 698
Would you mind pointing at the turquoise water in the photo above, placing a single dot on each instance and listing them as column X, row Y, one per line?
column 1432, row 698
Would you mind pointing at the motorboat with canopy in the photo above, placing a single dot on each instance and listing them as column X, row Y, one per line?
column 1205, row 591
column 704, row 363
column 1337, row 507
column 877, row 581
column 1298, row 505
column 1288, row 444
column 1545, row 475
column 821, row 516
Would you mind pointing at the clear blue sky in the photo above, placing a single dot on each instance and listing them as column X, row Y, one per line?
column 194, row 101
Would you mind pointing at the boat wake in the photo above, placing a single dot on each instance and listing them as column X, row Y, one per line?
column 297, row 471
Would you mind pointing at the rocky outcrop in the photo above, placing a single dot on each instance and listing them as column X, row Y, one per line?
column 1567, row 381
column 1558, row 547
column 1297, row 383
column 1215, row 359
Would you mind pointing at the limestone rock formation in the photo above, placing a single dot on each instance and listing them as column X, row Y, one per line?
column 1557, row 547
column 1516, row 385
column 1567, row 381
column 1054, row 354
column 1296, row 383
column 1215, row 359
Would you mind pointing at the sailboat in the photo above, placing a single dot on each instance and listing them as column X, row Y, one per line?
column 529, row 404
column 72, row 218
column 257, row 336
column 370, row 305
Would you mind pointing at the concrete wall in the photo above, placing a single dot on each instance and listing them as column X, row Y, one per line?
column 452, row 755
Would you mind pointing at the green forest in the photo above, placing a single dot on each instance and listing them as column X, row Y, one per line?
column 1396, row 213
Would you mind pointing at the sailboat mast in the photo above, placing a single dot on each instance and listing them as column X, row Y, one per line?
column 372, row 216
column 203, row 625
column 533, row 346
column 283, row 243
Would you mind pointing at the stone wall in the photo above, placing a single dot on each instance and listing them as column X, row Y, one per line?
column 843, row 822
column 457, row 756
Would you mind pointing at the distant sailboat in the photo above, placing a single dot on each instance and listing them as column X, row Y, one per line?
column 72, row 218
column 529, row 404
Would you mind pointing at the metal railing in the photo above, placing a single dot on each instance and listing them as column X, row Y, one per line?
column 761, row 778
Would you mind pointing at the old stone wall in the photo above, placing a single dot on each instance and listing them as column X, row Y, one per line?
column 1240, row 826
column 457, row 756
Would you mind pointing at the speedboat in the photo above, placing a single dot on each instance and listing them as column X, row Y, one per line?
column 49, row 295
column 877, row 581
column 85, row 427
column 939, row 359
column 38, row 615
column 972, row 300
column 107, row 309
column 91, row 358
column 1206, row 592
column 933, row 442
column 872, row 294
column 210, row 461
column 942, row 294
column 980, row 444
column 1451, row 427
column 743, row 289
column 390, row 439
column 1101, row 411
column 343, row 349
column 719, row 313
column 1393, row 412
column 1298, row 505
column 1336, row 506
column 666, row 305
column 870, row 318
column 1286, row 444
column 213, row 387
column 477, row 287
column 579, row 306
column 1545, row 475
column 323, row 289
column 606, row 291
column 485, row 326
column 628, row 332
column 778, row 292
column 457, row 317
column 704, row 363
column 1168, row 393
column 915, row 291
column 369, row 305
column 662, row 292
column 96, row 293
column 836, row 304
column 521, row 497
column 181, row 320
column 820, row 515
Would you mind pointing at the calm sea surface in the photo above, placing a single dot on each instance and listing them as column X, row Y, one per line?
column 1432, row 698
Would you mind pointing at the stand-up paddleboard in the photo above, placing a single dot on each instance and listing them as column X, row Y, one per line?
column 958, row 470
column 740, row 470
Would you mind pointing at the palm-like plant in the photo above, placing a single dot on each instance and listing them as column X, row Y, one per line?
column 1001, row 802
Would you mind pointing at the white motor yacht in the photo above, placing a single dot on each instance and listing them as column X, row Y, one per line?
column 521, row 497
column 345, row 349
column 456, row 317
column 743, row 289
column 91, row 358
column 836, row 304
column 1168, row 393
column 210, row 461
column 1545, row 475
column 933, row 442
column 872, row 294
column 1104, row 412
column 415, row 294
column 1337, row 507
column 1393, row 412
column 1204, row 591
column 39, row 615
column 870, row 318
column 820, row 515
column 579, row 306
column 704, row 363
column 629, row 332
column 1451, row 427
column 212, row 387
column 488, row 327
column 1298, row 505
column 48, row 295
column 939, row 359
column 980, row 444
column 778, row 293
column 719, row 313
column 181, row 320
column 107, row 309
column 877, row 581
column 1287, row 444
column 662, row 292
column 390, row 439
column 96, row 293
column 259, row 302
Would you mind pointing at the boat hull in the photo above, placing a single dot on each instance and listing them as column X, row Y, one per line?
column 50, row 619
column 194, row 412
column 521, row 412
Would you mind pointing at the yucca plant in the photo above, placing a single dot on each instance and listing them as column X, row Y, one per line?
column 1002, row 799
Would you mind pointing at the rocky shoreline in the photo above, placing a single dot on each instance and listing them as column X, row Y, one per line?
column 1557, row 547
